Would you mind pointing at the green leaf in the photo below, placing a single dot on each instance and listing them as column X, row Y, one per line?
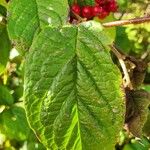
column 73, row 94
column 90, row 2
column 5, row 47
column 86, row 2
column 33, row 143
column 14, row 123
column 27, row 17
column 71, row 2
column 18, row 93
column 128, row 147
column 5, row 96
column 3, row 11
column 35, row 146
column 122, row 40
column 141, row 144
column 111, row 31
column 3, row 3
column 122, row 4
column 146, row 87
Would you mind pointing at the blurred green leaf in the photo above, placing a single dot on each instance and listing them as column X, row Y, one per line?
column 122, row 40
column 138, row 144
column 18, row 92
column 35, row 146
column 86, row 2
column 3, row 3
column 139, row 38
column 111, row 31
column 70, row 2
column 14, row 123
column 10, row 148
column 5, row 96
column 146, row 87
column 89, row 2
column 134, row 147
column 3, row 11
column 33, row 143
column 122, row 4
column 5, row 47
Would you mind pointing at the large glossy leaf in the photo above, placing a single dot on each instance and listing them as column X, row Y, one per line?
column 73, row 94
column 27, row 17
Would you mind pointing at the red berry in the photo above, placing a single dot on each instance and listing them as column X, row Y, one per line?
column 87, row 12
column 96, row 10
column 113, row 7
column 76, row 9
column 103, row 14
column 100, row 1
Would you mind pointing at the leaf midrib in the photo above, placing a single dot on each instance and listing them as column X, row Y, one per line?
column 76, row 75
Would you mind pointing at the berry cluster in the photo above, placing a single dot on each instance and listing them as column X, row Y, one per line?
column 101, row 9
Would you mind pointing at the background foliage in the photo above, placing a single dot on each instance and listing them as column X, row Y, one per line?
column 14, row 130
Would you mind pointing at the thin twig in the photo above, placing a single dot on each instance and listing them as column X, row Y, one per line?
column 144, row 56
column 121, row 59
column 80, row 19
column 122, row 15
column 127, row 22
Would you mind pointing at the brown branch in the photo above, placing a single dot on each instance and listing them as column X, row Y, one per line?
column 79, row 18
column 121, row 58
column 127, row 22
